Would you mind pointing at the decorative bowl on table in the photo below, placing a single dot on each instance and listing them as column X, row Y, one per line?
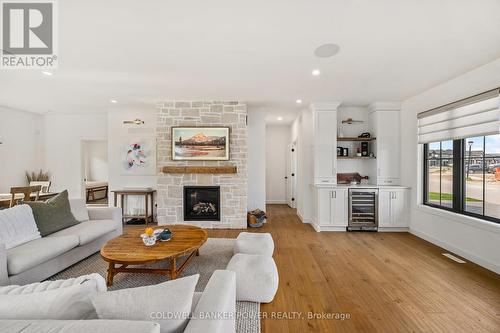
column 149, row 237
column 148, row 240
column 164, row 235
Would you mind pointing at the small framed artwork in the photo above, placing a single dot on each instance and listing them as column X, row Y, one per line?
column 200, row 143
column 139, row 156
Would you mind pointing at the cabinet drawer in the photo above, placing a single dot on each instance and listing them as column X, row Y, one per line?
column 388, row 181
column 325, row 180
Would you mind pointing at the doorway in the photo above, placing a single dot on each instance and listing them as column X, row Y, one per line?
column 95, row 172
column 291, row 175
column 277, row 139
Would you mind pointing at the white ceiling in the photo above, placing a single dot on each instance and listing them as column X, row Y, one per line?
column 260, row 52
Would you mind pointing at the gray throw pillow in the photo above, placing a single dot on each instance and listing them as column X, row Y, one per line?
column 52, row 215
column 168, row 304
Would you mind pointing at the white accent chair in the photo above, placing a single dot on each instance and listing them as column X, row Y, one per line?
column 254, row 243
column 257, row 277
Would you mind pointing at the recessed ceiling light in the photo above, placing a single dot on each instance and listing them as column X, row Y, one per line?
column 280, row 118
column 326, row 50
column 47, row 73
column 316, row 72
column 299, row 101
column 114, row 101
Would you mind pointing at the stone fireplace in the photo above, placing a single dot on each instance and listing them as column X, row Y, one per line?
column 201, row 203
column 232, row 187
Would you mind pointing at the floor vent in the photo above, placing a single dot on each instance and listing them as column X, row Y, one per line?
column 452, row 257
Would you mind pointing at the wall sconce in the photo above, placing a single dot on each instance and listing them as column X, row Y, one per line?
column 134, row 122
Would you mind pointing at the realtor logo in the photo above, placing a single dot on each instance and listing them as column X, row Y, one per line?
column 28, row 35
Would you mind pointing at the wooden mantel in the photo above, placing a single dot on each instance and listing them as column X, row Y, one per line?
column 200, row 169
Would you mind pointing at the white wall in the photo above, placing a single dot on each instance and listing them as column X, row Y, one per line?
column 473, row 239
column 22, row 137
column 119, row 135
column 64, row 136
column 256, row 159
column 276, row 147
column 96, row 167
column 301, row 133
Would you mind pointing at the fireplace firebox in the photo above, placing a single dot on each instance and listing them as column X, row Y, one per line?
column 201, row 203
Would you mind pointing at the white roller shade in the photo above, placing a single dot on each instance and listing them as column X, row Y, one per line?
column 475, row 116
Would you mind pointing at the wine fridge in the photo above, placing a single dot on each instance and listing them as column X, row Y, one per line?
column 363, row 212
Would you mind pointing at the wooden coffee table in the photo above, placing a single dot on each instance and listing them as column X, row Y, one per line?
column 129, row 250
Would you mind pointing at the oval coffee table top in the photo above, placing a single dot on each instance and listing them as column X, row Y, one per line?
column 129, row 248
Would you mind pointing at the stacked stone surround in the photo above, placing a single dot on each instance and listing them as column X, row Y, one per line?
column 233, row 187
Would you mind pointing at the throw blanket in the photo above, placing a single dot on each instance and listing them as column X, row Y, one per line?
column 17, row 226
column 52, row 285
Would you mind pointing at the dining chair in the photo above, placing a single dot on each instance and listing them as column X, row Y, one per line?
column 26, row 191
column 44, row 184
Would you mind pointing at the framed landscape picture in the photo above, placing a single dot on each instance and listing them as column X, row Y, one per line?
column 200, row 143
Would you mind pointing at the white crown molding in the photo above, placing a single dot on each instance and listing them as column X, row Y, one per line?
column 325, row 106
column 384, row 106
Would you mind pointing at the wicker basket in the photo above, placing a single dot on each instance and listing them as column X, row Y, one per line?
column 253, row 222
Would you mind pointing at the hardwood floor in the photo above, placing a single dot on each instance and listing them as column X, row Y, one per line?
column 384, row 282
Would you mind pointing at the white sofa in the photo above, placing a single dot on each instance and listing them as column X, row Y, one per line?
column 218, row 301
column 41, row 258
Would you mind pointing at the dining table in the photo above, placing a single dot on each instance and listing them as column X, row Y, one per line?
column 5, row 197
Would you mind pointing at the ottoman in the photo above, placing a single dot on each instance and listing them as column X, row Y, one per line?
column 256, row 277
column 254, row 243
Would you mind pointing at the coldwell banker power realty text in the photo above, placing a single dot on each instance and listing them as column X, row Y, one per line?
column 28, row 34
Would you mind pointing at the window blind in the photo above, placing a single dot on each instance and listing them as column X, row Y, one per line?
column 474, row 116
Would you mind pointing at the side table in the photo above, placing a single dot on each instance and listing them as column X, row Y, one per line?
column 148, row 195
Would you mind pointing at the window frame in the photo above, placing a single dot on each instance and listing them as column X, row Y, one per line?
column 459, row 183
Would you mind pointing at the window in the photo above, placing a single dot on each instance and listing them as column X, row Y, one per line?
column 439, row 177
column 464, row 176
column 462, row 155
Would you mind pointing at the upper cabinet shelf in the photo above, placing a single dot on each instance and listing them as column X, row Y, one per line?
column 345, row 138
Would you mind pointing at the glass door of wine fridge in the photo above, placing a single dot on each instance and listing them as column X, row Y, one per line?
column 363, row 214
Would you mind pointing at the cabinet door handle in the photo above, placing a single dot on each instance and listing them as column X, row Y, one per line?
column 334, row 194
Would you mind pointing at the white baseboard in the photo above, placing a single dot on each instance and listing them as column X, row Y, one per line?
column 315, row 227
column 475, row 259
column 302, row 219
column 276, row 202
column 392, row 229
column 320, row 228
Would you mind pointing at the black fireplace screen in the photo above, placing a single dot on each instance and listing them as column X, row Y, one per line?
column 202, row 203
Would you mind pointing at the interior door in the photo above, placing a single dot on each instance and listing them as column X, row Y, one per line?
column 291, row 175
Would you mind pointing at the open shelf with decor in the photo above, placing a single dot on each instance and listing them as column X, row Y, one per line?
column 356, row 157
column 355, row 139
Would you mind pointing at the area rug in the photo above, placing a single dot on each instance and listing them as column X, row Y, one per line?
column 214, row 254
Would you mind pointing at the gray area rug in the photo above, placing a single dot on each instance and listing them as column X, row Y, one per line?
column 214, row 254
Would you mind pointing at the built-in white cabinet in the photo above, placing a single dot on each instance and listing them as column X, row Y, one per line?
column 332, row 205
column 385, row 119
column 393, row 208
column 325, row 142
